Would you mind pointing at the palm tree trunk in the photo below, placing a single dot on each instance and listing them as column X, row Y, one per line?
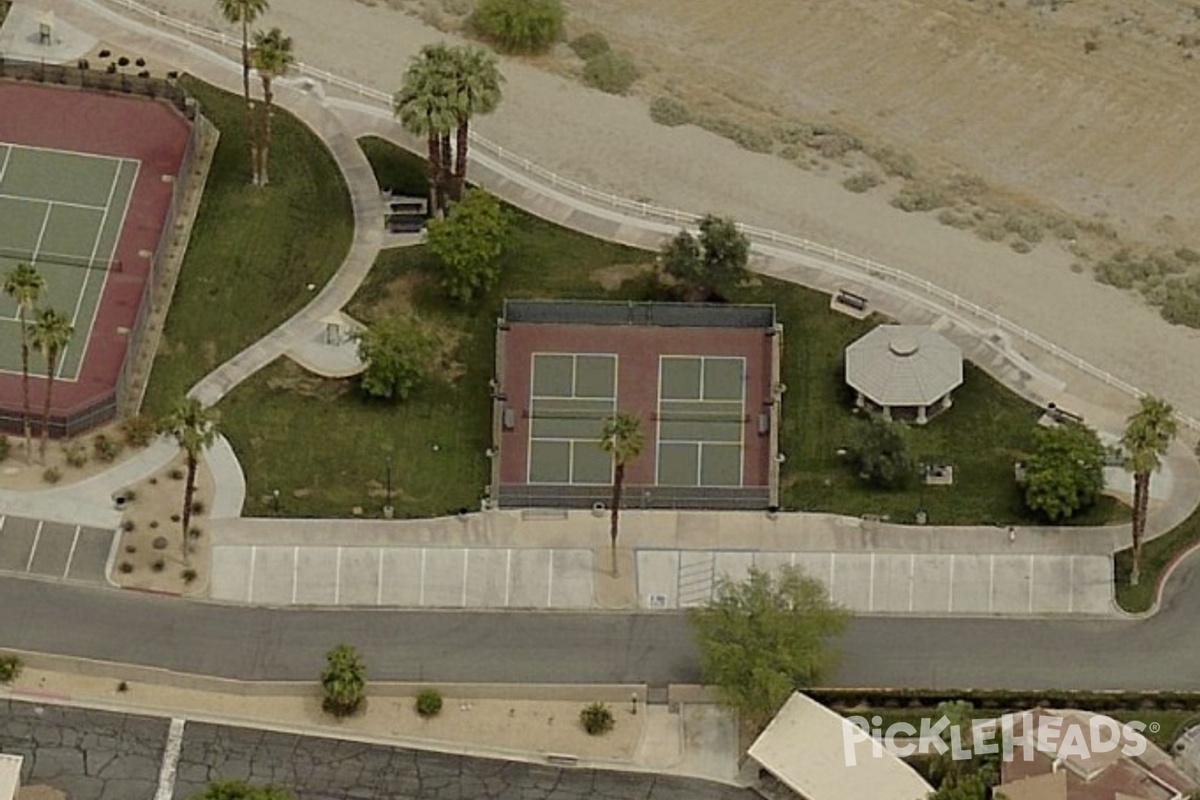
column 1141, row 502
column 434, row 171
column 460, row 158
column 446, row 173
column 51, row 358
column 189, row 491
column 25, row 389
column 618, row 486
column 251, row 133
column 264, row 146
column 246, row 59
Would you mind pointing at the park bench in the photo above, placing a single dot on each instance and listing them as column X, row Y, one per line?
column 855, row 301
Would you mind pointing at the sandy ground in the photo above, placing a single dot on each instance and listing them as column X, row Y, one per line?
column 611, row 143
column 21, row 474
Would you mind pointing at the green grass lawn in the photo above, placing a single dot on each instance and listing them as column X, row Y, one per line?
column 1157, row 554
column 253, row 251
column 333, row 474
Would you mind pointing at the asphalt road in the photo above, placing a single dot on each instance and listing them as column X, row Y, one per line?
column 538, row 647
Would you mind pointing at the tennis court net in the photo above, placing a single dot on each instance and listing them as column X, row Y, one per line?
column 60, row 259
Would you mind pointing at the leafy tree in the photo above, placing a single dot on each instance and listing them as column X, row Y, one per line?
column 1148, row 434
column 398, row 352
column 622, row 439
column 245, row 12
column 24, row 285
column 240, row 790
column 344, row 680
column 195, row 429
column 51, row 333
column 1066, row 471
column 475, row 83
column 424, row 107
column 520, row 26
column 272, row 57
column 880, row 452
column 765, row 637
column 469, row 243
column 717, row 260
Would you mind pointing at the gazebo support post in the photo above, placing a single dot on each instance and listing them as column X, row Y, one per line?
column 921, row 419
column 887, row 412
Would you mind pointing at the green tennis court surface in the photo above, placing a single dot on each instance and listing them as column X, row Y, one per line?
column 701, row 418
column 62, row 213
column 571, row 397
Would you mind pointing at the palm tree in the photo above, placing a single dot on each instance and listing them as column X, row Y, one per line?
column 423, row 106
column 1148, row 434
column 272, row 57
column 52, row 332
column 622, row 439
column 24, row 285
column 244, row 12
column 477, row 82
column 195, row 429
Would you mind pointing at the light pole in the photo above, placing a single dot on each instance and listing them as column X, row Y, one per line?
column 275, row 495
column 388, row 511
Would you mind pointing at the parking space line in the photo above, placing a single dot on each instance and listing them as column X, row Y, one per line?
column 337, row 578
column 792, row 560
column 71, row 553
column 295, row 572
column 991, row 582
column 950, row 599
column 507, row 575
column 37, row 534
column 912, row 579
column 1071, row 585
column 3, row 519
column 250, row 577
column 1030, row 583
column 871, row 586
column 466, row 562
column 550, row 581
column 421, row 597
column 379, row 576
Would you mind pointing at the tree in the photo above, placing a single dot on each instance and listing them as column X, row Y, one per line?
column 245, row 12
column 476, row 91
column 1148, row 434
column 520, row 26
column 1066, row 471
column 272, row 57
column 52, row 332
column 763, row 638
column 398, row 353
column 622, row 439
column 424, row 107
column 24, row 285
column 344, row 680
column 195, row 429
column 880, row 453
column 717, row 260
column 469, row 243
column 240, row 790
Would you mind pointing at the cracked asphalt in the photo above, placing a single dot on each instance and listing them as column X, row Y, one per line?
column 98, row 755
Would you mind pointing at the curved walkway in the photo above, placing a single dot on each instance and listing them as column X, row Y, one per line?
column 1048, row 374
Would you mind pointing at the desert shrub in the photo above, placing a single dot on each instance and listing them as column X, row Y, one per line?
column 955, row 219
column 1181, row 305
column 835, row 144
column 862, row 181
column 129, row 494
column 197, row 506
column 991, row 229
column 75, row 453
column 160, row 543
column 670, row 111
column 918, row 197
column 792, row 153
column 52, row 475
column 610, row 72
column 1099, row 228
column 795, row 133
column 590, row 45
column 965, row 184
column 1021, row 246
column 597, row 718
column 123, row 61
column 895, row 163
column 746, row 138
column 125, row 568
column 176, row 474
column 159, row 565
column 189, row 575
column 429, row 703
column 520, row 26
column 195, row 533
column 129, row 526
column 1187, row 255
column 10, row 668
column 138, row 430
column 1025, row 224
column 1119, row 270
column 105, row 448
column 5, row 447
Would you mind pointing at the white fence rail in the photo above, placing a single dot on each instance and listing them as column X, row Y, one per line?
column 871, row 269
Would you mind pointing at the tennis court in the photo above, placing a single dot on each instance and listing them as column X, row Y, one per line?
column 571, row 397
column 701, row 420
column 61, row 212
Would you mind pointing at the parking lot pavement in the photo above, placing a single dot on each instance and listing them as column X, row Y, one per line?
column 55, row 550
column 897, row 583
column 416, row 577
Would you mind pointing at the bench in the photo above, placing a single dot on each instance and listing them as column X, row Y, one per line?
column 404, row 223
column 1062, row 415
column 855, row 301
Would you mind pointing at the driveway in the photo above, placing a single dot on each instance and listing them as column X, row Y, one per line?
column 55, row 550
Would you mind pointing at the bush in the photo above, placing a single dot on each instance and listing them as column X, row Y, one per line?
column 176, row 474
column 596, row 719
column 1027, row 225
column 75, row 453
column 5, row 447
column 138, row 430
column 159, row 565
column 198, row 506
column 189, row 575
column 429, row 702
column 861, row 182
column 880, row 452
column 610, row 72
column 1182, row 303
column 344, row 681
column 52, row 475
column 125, row 568
column 795, row 133
column 670, row 111
column 590, row 45
column 918, row 197
column 895, row 163
column 520, row 26
column 10, row 668
column 105, row 449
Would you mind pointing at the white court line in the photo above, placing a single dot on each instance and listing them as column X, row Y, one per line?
column 871, row 588
column 4, row 167
column 39, row 149
column 337, row 578
column 466, row 561
column 379, row 576
column 1071, row 584
column 507, row 575
column 71, row 553
column 912, row 579
column 991, row 582
column 295, row 572
column 250, row 576
column 550, row 581
column 37, row 534
column 1030, row 583
column 421, row 597
column 42, row 233
column 950, row 599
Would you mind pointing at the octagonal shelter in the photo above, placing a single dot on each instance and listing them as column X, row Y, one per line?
column 909, row 370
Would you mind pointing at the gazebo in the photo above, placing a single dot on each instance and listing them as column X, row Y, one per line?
column 911, row 369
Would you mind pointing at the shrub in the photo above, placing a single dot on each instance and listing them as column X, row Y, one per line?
column 1027, row 225
column 835, row 144
column 130, row 495
column 955, row 219
column 160, row 543
column 795, row 133
column 159, row 565
column 596, row 719
column 991, row 229
column 10, row 668
column 590, row 45
column 129, row 526
column 75, row 453
column 861, row 182
column 195, row 533
column 197, row 506
column 52, row 475
column 138, row 430
column 344, row 681
column 176, row 474
column 895, row 163
column 670, row 111
column 520, row 26
column 1021, row 246
column 1182, row 303
column 610, row 72
column 141, row 62
column 105, row 449
column 747, row 138
column 125, row 568
column 918, row 197
column 123, row 61
column 189, row 575
column 429, row 702
column 5, row 446
column 880, row 452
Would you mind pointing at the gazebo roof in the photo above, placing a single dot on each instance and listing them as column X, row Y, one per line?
column 904, row 365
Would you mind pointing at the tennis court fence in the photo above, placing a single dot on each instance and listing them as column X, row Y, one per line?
column 81, row 76
column 749, row 498
column 679, row 315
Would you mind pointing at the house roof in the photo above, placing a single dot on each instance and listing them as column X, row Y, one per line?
column 1051, row 786
column 804, row 748
column 904, row 365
